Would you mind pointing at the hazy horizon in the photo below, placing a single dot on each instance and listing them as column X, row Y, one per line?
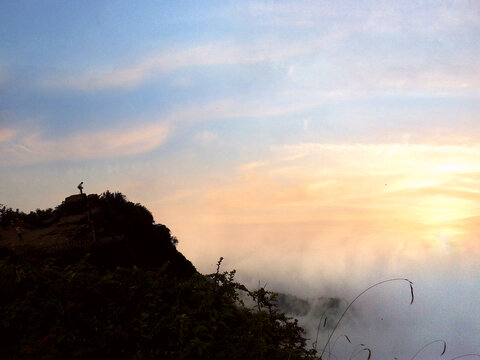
column 318, row 146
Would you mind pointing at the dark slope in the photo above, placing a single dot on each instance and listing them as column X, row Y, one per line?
column 113, row 230
column 97, row 279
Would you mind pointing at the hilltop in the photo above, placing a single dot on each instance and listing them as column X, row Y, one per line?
column 96, row 278
column 113, row 230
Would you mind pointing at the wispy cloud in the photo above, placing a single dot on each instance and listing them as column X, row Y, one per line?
column 379, row 74
column 328, row 60
column 219, row 53
column 24, row 147
column 385, row 16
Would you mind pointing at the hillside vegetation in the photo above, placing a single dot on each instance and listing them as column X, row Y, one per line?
column 97, row 278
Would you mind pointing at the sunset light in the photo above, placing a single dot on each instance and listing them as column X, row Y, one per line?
column 317, row 146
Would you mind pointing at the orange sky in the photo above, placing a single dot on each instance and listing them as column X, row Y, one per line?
column 419, row 200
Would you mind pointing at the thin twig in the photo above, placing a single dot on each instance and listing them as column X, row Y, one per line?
column 351, row 303
column 427, row 345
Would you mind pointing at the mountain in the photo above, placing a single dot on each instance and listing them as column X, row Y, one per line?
column 316, row 308
column 96, row 278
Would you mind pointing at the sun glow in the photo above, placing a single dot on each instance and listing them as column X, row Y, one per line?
column 440, row 209
column 387, row 191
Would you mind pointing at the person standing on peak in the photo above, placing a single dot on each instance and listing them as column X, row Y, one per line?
column 80, row 187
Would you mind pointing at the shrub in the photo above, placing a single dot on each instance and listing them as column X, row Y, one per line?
column 80, row 311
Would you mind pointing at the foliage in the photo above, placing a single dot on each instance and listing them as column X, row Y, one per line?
column 8, row 216
column 130, row 295
column 114, row 230
column 38, row 217
column 81, row 311
column 149, row 243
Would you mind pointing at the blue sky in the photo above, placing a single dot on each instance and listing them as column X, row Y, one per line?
column 242, row 125
column 96, row 64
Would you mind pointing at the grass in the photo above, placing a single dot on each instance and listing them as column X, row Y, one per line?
column 363, row 348
column 353, row 301
column 431, row 343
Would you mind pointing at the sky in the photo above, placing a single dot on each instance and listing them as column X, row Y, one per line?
column 318, row 146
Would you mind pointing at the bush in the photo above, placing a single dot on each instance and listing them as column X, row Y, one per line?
column 80, row 311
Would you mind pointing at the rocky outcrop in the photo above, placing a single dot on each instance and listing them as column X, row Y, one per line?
column 73, row 199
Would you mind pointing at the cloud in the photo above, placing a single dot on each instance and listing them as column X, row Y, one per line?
column 332, row 219
column 382, row 208
column 371, row 73
column 266, row 49
column 22, row 146
column 340, row 56
column 379, row 193
column 27, row 148
column 387, row 16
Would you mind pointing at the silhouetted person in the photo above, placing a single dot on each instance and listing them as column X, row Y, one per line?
column 80, row 187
